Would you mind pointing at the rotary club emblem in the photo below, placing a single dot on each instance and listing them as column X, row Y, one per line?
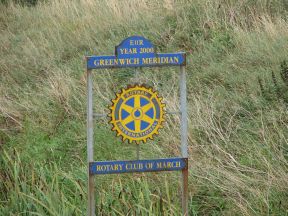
column 137, row 113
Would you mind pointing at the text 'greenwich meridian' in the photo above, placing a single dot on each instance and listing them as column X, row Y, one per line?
column 136, row 61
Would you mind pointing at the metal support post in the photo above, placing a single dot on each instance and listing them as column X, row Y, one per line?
column 138, row 151
column 91, row 203
column 137, row 145
column 184, row 138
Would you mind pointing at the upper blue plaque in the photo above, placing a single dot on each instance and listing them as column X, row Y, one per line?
column 136, row 51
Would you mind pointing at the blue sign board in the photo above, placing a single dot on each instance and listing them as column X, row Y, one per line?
column 136, row 51
column 110, row 167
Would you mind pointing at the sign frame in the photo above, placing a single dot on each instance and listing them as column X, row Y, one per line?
column 128, row 49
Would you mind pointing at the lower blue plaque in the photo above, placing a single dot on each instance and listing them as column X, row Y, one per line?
column 156, row 165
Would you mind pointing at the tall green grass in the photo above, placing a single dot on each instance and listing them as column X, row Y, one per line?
column 47, row 189
column 238, row 135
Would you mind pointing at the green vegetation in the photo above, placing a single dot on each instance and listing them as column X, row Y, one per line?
column 237, row 95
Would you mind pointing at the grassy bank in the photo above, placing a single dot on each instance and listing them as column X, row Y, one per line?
column 237, row 97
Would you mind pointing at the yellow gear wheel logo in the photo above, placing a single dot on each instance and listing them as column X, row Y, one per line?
column 137, row 113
